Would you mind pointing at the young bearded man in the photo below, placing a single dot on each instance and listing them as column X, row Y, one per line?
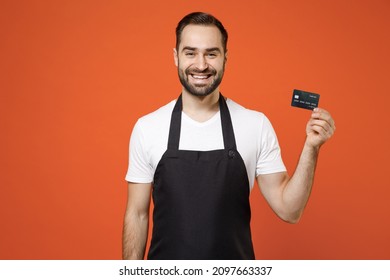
column 199, row 156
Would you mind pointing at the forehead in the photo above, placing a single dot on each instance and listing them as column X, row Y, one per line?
column 201, row 37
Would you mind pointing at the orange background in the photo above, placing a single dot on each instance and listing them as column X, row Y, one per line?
column 76, row 75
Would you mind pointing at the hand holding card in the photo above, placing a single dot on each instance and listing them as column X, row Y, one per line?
column 320, row 127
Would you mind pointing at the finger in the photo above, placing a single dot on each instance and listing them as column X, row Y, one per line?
column 324, row 124
column 324, row 130
column 322, row 114
column 319, row 130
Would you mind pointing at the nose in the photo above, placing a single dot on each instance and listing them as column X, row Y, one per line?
column 201, row 63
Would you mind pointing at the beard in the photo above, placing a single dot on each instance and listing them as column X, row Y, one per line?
column 200, row 90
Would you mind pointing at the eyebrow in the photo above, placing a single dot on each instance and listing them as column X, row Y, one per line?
column 186, row 48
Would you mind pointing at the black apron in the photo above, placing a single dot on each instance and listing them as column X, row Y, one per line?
column 201, row 199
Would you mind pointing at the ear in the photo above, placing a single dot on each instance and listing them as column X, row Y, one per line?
column 176, row 59
column 226, row 55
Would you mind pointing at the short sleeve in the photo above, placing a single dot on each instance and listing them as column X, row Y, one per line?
column 269, row 159
column 139, row 169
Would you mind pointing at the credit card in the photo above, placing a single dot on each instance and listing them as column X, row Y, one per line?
column 305, row 99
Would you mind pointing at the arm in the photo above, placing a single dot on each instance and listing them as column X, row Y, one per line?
column 136, row 221
column 288, row 196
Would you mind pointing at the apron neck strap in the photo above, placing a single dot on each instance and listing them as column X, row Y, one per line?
column 226, row 121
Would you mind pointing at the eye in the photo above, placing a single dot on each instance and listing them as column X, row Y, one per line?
column 190, row 54
column 211, row 55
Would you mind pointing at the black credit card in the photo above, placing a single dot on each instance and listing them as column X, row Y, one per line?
column 305, row 99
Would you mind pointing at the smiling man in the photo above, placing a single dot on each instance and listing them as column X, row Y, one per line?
column 199, row 156
column 200, row 66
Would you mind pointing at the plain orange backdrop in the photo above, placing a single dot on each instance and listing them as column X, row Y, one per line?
column 76, row 75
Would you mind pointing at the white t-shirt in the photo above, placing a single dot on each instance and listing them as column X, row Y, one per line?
column 255, row 139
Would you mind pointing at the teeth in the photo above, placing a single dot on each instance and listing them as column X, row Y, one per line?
column 199, row 77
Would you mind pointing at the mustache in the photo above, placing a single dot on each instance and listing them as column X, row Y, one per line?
column 190, row 71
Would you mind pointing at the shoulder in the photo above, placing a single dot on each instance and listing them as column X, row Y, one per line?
column 243, row 116
column 157, row 120
column 162, row 112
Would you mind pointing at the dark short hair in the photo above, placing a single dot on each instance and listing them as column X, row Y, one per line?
column 199, row 18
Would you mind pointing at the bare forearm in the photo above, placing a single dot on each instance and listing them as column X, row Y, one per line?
column 135, row 233
column 288, row 196
column 297, row 190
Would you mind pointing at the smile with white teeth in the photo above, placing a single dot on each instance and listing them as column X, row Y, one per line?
column 202, row 77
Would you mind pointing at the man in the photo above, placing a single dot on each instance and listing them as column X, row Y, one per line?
column 199, row 156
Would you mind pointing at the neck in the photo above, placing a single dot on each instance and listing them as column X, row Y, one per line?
column 200, row 108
